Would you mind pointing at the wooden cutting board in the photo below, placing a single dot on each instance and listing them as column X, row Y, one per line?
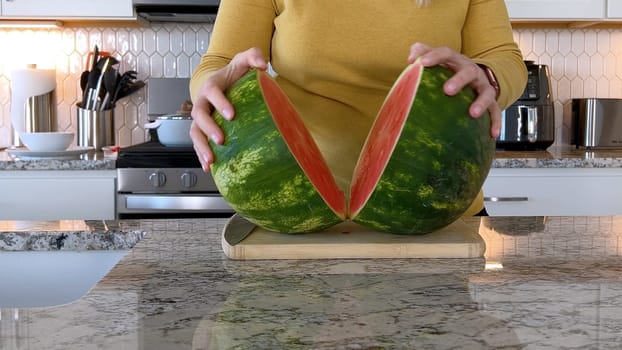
column 350, row 240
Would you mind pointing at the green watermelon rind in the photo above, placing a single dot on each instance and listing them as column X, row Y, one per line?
column 422, row 199
column 262, row 180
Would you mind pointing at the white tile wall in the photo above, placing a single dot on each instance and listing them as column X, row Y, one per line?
column 583, row 63
column 162, row 50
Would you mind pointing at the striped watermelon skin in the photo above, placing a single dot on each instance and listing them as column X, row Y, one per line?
column 257, row 174
column 438, row 165
column 423, row 164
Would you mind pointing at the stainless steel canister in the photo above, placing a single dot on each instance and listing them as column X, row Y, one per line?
column 95, row 128
column 39, row 115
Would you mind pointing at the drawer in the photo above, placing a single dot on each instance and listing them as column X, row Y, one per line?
column 57, row 195
column 553, row 192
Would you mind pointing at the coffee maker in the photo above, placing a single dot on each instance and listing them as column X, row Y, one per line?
column 529, row 123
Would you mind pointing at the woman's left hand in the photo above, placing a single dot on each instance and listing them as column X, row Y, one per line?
column 466, row 72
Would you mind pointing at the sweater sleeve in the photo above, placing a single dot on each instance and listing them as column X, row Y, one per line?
column 240, row 25
column 487, row 39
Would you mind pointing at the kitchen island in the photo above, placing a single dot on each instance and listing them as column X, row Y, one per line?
column 553, row 157
column 545, row 282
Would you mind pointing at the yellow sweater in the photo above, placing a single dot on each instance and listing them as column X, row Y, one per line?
column 337, row 59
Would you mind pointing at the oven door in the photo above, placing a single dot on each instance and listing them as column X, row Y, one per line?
column 141, row 205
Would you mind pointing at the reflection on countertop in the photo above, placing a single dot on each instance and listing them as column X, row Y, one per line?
column 545, row 282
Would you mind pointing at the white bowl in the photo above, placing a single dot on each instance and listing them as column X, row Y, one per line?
column 47, row 141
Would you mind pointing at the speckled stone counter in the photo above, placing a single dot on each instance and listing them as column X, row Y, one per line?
column 65, row 235
column 559, row 157
column 545, row 283
column 87, row 161
column 553, row 157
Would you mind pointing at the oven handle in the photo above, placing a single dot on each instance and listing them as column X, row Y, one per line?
column 128, row 203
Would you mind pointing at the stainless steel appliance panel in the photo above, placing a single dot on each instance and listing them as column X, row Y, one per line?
column 597, row 122
column 166, row 95
column 164, row 180
column 171, row 204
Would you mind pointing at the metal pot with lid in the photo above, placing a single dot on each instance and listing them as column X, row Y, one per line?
column 174, row 129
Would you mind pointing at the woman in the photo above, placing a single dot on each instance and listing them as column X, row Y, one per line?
column 337, row 60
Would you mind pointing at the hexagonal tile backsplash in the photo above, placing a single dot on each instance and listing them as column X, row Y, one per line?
column 163, row 50
column 583, row 62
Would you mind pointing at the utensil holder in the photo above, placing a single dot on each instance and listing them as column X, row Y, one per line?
column 95, row 128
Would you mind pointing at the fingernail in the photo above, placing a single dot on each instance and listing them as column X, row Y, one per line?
column 227, row 113
column 477, row 111
column 451, row 88
column 205, row 163
column 215, row 139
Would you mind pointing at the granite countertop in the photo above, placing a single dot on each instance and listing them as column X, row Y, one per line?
column 545, row 282
column 553, row 157
column 559, row 157
column 87, row 161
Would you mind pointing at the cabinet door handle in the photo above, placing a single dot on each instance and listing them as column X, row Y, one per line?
column 506, row 199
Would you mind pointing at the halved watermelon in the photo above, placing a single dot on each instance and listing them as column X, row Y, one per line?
column 422, row 165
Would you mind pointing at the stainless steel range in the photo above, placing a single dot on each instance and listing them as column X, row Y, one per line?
column 154, row 180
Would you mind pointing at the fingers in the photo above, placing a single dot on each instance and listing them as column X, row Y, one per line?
column 466, row 72
column 215, row 98
column 417, row 50
column 214, row 87
column 201, row 147
column 495, row 121
column 203, row 127
column 212, row 97
column 251, row 58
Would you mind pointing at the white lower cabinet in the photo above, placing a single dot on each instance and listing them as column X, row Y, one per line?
column 57, row 195
column 553, row 191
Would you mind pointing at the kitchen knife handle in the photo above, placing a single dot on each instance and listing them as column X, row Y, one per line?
column 506, row 199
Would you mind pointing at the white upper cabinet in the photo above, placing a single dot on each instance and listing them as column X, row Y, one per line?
column 614, row 9
column 559, row 10
column 66, row 9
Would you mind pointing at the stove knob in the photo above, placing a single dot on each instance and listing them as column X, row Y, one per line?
column 157, row 179
column 188, row 179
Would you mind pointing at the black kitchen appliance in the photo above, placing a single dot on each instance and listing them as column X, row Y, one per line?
column 154, row 180
column 529, row 123
column 188, row 11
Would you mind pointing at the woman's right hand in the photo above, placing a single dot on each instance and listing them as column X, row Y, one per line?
column 211, row 96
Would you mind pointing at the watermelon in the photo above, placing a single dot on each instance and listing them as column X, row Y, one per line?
column 421, row 167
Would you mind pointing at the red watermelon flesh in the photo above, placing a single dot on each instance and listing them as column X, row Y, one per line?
column 382, row 139
column 374, row 156
column 301, row 144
